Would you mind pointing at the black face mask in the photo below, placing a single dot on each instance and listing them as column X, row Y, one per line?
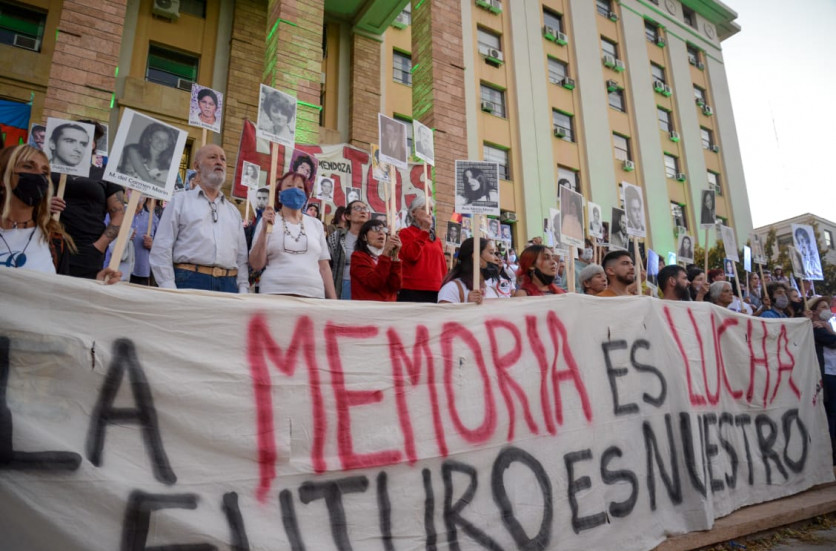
column 491, row 271
column 545, row 279
column 797, row 307
column 31, row 188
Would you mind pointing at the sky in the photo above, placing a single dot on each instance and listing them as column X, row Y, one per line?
column 782, row 75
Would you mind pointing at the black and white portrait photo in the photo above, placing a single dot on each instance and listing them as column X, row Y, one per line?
column 707, row 210
column 685, row 248
column 276, row 116
column 728, row 268
column 454, row 233
column 729, row 243
column 380, row 170
column 325, row 188
column 804, row 240
column 146, row 155
column 506, row 233
column 493, row 229
column 250, row 175
column 306, row 165
column 423, row 142
column 37, row 136
column 553, row 228
column 206, row 108
column 596, row 221
column 102, row 143
column 567, row 178
column 392, row 136
column 477, row 187
column 797, row 262
column 758, row 256
column 571, row 210
column 69, row 146
column 618, row 230
column 634, row 205
column 352, row 194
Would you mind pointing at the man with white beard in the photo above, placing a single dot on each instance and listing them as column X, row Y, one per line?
column 200, row 241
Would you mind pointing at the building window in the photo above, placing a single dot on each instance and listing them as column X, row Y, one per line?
column 714, row 182
column 499, row 156
column 563, row 122
column 707, row 138
column 488, row 41
column 671, row 166
column 407, row 122
column 568, row 178
column 171, row 68
column 651, row 31
column 689, row 16
column 553, row 20
column 664, row 117
column 828, row 239
column 21, row 27
column 658, row 73
column 609, row 48
column 493, row 100
column 616, row 98
column 557, row 71
column 621, row 145
column 693, row 54
column 604, row 7
column 402, row 67
column 699, row 94
column 193, row 7
column 678, row 215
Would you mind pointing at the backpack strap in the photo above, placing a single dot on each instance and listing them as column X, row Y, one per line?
column 461, row 290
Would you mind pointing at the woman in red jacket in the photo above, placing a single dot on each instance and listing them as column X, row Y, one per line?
column 375, row 267
column 422, row 255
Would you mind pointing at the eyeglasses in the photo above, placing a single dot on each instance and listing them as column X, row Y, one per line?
column 214, row 208
column 383, row 229
column 359, row 208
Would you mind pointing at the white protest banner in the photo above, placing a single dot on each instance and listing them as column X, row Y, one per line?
column 135, row 417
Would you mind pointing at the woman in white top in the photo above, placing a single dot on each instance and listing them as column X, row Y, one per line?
column 458, row 285
column 295, row 255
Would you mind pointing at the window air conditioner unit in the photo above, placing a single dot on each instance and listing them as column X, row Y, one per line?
column 715, row 148
column 619, row 65
column 707, row 110
column 680, row 177
column 660, row 42
column 496, row 54
column 496, row 6
column 700, row 101
column 487, row 107
column 612, row 15
column 568, row 83
column 609, row 61
column 402, row 20
column 508, row 217
column 27, row 42
column 561, row 39
column 667, row 91
column 674, row 136
column 169, row 9
column 184, row 84
column 659, row 86
column 700, row 65
column 628, row 166
column 559, row 132
column 550, row 32
column 692, row 59
column 612, row 86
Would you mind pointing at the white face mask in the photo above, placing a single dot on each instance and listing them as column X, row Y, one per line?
column 825, row 315
column 512, row 258
column 587, row 254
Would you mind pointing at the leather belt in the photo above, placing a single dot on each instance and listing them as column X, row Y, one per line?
column 213, row 271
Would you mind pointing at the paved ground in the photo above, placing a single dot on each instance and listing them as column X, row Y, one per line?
column 815, row 540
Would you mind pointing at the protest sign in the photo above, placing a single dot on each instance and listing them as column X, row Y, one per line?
column 206, row 108
column 135, row 417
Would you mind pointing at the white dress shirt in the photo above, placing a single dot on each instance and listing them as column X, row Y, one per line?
column 188, row 234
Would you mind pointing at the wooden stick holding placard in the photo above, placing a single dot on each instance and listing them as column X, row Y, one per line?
column 477, row 241
column 151, row 209
column 739, row 286
column 705, row 261
column 203, row 138
column 637, row 261
column 570, row 266
column 274, row 163
column 392, row 204
column 124, row 231
column 62, row 185
column 427, row 172
column 247, row 209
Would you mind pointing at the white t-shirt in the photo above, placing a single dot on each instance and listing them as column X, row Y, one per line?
column 289, row 273
column 26, row 248
column 450, row 291
column 830, row 354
